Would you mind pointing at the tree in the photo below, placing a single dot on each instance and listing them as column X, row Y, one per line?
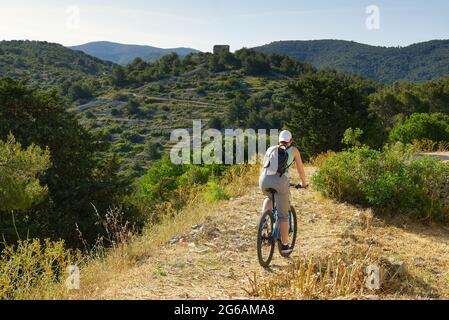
column 327, row 104
column 235, row 113
column 133, row 107
column 79, row 175
column 118, row 77
column 169, row 64
column 153, row 150
column 215, row 123
column 253, row 63
column 422, row 126
column 160, row 180
column 227, row 59
column 20, row 187
column 351, row 137
column 393, row 103
column 78, row 91
column 214, row 64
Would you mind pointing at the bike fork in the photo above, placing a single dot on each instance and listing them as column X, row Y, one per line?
column 275, row 225
column 290, row 225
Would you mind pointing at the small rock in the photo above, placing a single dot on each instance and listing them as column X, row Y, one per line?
column 174, row 240
column 418, row 258
column 345, row 244
column 210, row 244
column 197, row 226
column 397, row 266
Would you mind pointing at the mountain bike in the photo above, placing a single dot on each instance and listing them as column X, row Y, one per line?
column 268, row 231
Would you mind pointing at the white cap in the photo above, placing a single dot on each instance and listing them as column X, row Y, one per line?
column 285, row 136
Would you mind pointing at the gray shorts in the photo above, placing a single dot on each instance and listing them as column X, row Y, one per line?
column 282, row 196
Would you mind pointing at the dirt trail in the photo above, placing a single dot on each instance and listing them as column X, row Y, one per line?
column 440, row 155
column 215, row 259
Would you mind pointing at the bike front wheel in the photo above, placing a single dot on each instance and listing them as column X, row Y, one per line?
column 265, row 239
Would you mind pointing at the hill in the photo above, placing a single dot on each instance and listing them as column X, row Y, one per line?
column 125, row 53
column 153, row 98
column 414, row 63
column 48, row 65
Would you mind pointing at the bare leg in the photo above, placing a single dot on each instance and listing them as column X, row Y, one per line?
column 267, row 205
column 283, row 226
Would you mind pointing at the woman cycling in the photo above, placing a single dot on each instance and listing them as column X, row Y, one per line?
column 280, row 183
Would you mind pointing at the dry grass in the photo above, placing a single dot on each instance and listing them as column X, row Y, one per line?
column 330, row 277
column 99, row 270
column 426, row 145
column 318, row 160
column 31, row 269
column 341, row 276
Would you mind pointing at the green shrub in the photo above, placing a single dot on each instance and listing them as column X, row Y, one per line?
column 215, row 192
column 132, row 109
column 392, row 181
column 123, row 147
column 195, row 175
column 133, row 137
column 116, row 112
column 90, row 115
column 421, row 126
column 120, row 96
column 160, row 180
column 115, row 129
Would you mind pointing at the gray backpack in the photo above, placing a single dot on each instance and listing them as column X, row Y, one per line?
column 276, row 160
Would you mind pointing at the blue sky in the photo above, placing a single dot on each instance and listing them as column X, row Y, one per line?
column 201, row 24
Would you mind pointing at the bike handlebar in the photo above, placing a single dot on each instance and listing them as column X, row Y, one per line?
column 297, row 186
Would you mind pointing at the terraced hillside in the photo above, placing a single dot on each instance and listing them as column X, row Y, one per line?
column 139, row 121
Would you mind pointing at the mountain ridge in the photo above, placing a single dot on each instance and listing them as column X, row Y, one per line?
column 414, row 63
column 125, row 53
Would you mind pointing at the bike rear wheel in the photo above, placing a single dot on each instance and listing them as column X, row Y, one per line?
column 265, row 240
column 291, row 233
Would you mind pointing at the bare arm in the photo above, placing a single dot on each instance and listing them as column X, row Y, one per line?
column 300, row 167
